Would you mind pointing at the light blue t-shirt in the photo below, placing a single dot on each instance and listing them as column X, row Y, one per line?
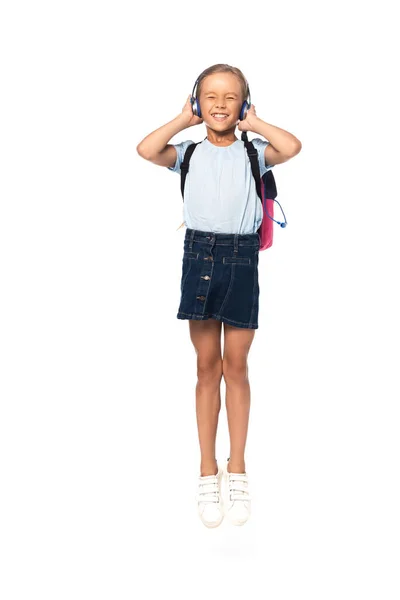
column 220, row 191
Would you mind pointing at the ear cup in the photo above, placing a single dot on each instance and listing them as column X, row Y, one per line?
column 195, row 101
column 246, row 104
column 243, row 110
column 196, row 107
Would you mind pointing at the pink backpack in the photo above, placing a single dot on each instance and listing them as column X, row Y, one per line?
column 265, row 186
column 266, row 190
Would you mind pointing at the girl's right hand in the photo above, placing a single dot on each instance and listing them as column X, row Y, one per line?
column 188, row 112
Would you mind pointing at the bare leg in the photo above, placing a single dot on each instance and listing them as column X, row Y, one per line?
column 206, row 338
column 237, row 342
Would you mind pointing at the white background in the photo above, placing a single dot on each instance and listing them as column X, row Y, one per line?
column 98, row 442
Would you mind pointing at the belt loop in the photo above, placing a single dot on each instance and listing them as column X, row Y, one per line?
column 191, row 240
column 236, row 242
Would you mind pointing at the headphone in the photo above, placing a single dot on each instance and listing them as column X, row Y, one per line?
column 194, row 101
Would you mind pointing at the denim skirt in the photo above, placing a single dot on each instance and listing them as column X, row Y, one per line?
column 220, row 277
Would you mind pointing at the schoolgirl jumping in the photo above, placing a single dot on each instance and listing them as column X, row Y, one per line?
column 219, row 283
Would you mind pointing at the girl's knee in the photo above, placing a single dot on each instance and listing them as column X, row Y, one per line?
column 235, row 370
column 209, row 370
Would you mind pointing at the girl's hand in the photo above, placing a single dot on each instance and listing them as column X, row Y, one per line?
column 188, row 112
column 248, row 123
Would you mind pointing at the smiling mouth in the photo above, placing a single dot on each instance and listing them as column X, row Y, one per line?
column 219, row 117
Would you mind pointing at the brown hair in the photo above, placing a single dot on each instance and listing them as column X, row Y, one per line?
column 223, row 68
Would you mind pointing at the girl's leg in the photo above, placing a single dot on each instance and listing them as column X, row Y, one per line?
column 206, row 338
column 237, row 344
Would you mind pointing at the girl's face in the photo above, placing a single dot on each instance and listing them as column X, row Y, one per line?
column 221, row 93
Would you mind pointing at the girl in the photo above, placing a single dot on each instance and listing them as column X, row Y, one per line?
column 219, row 284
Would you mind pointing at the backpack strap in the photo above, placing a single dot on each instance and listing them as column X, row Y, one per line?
column 253, row 156
column 267, row 179
column 185, row 164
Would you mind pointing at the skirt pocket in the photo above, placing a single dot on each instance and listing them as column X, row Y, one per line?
column 238, row 260
column 188, row 259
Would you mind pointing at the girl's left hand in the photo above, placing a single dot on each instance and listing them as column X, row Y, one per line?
column 247, row 123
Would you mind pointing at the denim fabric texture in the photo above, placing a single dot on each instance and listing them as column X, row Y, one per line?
column 220, row 277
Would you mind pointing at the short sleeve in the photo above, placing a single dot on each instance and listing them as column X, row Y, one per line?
column 260, row 146
column 180, row 154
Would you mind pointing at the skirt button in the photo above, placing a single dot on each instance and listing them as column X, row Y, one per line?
column 207, row 277
column 201, row 297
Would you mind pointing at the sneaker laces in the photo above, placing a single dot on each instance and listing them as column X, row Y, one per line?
column 208, row 489
column 238, row 486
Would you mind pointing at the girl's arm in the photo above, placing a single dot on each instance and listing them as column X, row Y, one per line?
column 280, row 139
column 282, row 144
column 155, row 147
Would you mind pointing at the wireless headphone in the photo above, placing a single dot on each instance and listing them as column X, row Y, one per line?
column 194, row 101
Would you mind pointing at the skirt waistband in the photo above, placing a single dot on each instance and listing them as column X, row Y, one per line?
column 236, row 239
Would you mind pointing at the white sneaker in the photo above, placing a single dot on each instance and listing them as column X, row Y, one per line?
column 237, row 499
column 209, row 499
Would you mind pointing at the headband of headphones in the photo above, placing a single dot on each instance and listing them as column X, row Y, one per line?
column 196, row 104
